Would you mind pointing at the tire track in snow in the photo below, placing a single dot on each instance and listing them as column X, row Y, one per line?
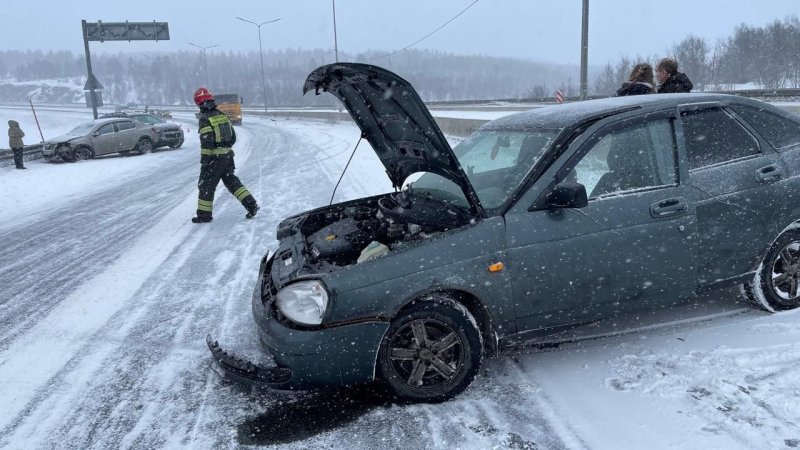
column 169, row 324
column 32, row 360
column 44, row 262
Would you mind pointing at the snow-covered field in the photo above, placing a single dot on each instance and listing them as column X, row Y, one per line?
column 107, row 292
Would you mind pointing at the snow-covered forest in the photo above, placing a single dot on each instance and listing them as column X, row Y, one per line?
column 162, row 79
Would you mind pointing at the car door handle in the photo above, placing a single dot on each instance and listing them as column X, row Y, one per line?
column 668, row 208
column 769, row 174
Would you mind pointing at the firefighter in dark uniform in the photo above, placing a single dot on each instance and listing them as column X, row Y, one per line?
column 217, row 136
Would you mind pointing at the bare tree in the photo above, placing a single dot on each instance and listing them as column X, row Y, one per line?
column 692, row 54
column 606, row 83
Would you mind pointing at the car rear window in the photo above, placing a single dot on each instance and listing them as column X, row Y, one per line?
column 150, row 120
column 714, row 136
column 779, row 131
column 125, row 125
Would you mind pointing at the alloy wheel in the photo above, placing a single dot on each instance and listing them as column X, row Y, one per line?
column 426, row 353
column 785, row 278
column 145, row 146
column 82, row 154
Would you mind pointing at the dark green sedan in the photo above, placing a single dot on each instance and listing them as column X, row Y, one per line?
column 539, row 222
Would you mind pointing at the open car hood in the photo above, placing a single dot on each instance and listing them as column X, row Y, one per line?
column 394, row 120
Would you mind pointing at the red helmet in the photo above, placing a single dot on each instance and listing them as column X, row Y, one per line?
column 202, row 95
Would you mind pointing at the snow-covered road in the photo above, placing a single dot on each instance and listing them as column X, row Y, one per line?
column 107, row 292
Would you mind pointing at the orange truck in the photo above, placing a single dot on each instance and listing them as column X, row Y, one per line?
column 231, row 105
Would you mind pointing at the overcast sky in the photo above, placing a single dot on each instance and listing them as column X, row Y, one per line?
column 546, row 30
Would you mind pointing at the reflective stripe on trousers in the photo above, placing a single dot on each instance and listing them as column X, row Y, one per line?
column 215, row 151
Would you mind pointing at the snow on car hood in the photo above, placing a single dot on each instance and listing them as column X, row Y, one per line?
column 164, row 126
column 394, row 120
column 61, row 139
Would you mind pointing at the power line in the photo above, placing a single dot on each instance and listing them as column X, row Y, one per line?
column 426, row 36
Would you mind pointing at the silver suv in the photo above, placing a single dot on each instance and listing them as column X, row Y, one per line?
column 101, row 137
column 169, row 134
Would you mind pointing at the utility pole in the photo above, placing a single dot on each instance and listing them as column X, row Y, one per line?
column 90, row 75
column 335, row 40
column 585, row 50
column 261, row 53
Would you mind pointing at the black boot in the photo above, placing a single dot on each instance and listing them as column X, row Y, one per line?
column 252, row 210
column 202, row 219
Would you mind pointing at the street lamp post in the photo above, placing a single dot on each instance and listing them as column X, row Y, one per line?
column 205, row 62
column 261, row 54
column 585, row 50
column 335, row 39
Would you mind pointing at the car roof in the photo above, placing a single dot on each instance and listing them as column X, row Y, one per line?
column 563, row 115
column 122, row 115
column 109, row 119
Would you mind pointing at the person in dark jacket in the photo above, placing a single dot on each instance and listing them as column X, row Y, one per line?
column 217, row 137
column 15, row 135
column 671, row 80
column 640, row 81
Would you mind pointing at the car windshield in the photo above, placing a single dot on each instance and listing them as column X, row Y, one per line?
column 81, row 129
column 148, row 119
column 495, row 162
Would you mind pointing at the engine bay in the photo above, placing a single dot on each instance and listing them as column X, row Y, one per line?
column 358, row 231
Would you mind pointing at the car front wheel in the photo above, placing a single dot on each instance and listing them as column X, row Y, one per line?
column 431, row 352
column 176, row 144
column 777, row 281
column 144, row 146
column 83, row 153
column 68, row 157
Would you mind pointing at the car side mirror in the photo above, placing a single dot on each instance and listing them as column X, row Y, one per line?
column 568, row 194
column 96, row 133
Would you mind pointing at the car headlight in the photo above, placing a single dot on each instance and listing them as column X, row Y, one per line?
column 303, row 302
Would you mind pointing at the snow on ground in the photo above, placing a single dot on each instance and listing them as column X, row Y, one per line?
column 101, row 332
column 729, row 383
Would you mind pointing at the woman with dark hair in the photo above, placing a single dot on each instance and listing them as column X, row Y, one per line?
column 641, row 81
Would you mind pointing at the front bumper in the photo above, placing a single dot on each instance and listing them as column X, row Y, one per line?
column 240, row 370
column 170, row 137
column 333, row 355
column 50, row 151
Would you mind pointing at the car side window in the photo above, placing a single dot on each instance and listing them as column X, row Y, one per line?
column 634, row 157
column 714, row 136
column 106, row 129
column 779, row 131
column 126, row 125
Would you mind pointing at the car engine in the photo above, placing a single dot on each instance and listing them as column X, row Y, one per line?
column 342, row 234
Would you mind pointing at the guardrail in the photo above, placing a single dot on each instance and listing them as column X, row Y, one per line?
column 29, row 152
column 448, row 125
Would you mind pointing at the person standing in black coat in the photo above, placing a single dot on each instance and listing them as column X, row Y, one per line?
column 640, row 81
column 671, row 80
